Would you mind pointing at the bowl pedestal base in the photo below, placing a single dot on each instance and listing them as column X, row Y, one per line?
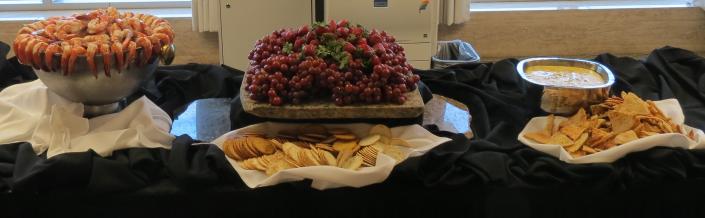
column 90, row 111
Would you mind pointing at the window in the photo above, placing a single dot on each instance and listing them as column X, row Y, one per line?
column 521, row 5
column 37, row 5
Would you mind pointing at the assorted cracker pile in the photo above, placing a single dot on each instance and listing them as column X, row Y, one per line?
column 313, row 145
column 614, row 122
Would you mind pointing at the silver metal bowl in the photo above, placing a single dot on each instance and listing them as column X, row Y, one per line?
column 102, row 94
column 566, row 100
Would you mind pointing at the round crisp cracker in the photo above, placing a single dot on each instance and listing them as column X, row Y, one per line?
column 369, row 140
column 228, row 149
column 353, row 163
column 262, row 145
column 330, row 159
column 381, row 130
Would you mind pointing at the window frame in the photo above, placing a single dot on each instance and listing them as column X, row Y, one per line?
column 46, row 5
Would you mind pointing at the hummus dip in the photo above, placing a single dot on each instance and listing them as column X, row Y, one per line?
column 564, row 76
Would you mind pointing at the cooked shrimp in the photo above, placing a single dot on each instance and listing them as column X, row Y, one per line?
column 91, row 48
column 149, row 19
column 71, row 26
column 36, row 58
column 135, row 24
column 27, row 53
column 131, row 53
column 90, row 15
column 119, row 55
column 165, row 30
column 49, row 53
column 146, row 45
column 18, row 44
column 127, row 38
column 25, row 30
column 113, row 12
column 68, row 29
column 98, row 25
column 36, row 25
column 104, row 31
column 127, row 15
column 76, row 50
column 107, row 56
column 156, row 45
column 66, row 53
column 102, row 38
column 163, row 38
column 49, row 32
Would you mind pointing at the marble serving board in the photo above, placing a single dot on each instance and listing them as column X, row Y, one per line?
column 413, row 107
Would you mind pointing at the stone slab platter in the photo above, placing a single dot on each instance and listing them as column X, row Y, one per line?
column 413, row 107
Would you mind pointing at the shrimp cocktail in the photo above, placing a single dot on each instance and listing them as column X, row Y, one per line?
column 69, row 53
column 104, row 32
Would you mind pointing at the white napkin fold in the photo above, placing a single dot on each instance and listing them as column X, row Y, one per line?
column 30, row 112
column 327, row 177
column 670, row 107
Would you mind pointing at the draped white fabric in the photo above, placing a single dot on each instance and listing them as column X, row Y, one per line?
column 29, row 112
column 454, row 11
column 206, row 15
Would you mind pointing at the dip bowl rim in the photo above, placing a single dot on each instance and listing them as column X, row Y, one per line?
column 601, row 69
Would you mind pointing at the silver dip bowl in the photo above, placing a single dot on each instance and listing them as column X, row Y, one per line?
column 102, row 94
column 566, row 100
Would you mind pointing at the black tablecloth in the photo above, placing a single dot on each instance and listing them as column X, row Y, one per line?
column 492, row 175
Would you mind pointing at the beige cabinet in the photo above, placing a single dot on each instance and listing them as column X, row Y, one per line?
column 243, row 22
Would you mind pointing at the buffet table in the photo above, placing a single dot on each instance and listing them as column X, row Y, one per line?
column 491, row 175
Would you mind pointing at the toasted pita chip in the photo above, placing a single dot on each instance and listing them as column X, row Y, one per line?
column 633, row 105
column 578, row 154
column 655, row 110
column 608, row 144
column 625, row 137
column 588, row 150
column 578, row 143
column 560, row 139
column 643, row 134
column 602, row 140
column 598, row 132
column 573, row 131
column 381, row 130
column 540, row 137
column 621, row 121
column 578, row 117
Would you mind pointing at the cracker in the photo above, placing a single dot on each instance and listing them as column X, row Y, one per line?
column 369, row 140
column 625, row 137
column 573, row 131
column 560, row 139
column 381, row 130
column 540, row 137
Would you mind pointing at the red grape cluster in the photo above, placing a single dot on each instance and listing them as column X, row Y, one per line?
column 346, row 62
